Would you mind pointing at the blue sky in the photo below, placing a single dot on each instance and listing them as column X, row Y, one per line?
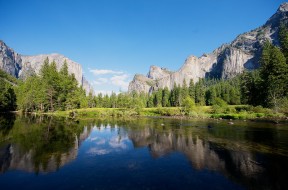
column 114, row 39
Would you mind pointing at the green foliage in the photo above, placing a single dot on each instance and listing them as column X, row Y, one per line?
column 283, row 39
column 188, row 105
column 283, row 107
column 251, row 92
column 8, row 78
column 219, row 106
column 165, row 97
column 200, row 92
column 184, row 91
column 169, row 111
column 51, row 91
column 274, row 75
column 7, row 96
column 175, row 96
column 211, row 95
column 191, row 89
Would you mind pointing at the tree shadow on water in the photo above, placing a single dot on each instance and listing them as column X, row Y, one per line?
column 6, row 123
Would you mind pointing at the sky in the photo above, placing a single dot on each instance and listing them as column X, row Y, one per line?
column 115, row 39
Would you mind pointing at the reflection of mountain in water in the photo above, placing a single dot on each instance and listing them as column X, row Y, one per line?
column 242, row 166
column 47, row 145
column 24, row 161
column 46, row 157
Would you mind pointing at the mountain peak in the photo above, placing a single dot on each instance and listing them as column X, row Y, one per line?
column 225, row 62
column 156, row 72
column 22, row 66
column 283, row 7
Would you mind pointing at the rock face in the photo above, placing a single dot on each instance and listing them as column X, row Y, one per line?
column 35, row 63
column 22, row 66
column 224, row 62
column 10, row 61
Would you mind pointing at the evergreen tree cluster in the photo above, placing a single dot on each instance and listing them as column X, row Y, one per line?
column 204, row 92
column 7, row 96
column 7, row 93
column 50, row 91
column 268, row 86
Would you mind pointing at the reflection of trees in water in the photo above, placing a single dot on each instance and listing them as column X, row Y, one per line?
column 42, row 144
column 254, row 170
column 45, row 144
column 6, row 123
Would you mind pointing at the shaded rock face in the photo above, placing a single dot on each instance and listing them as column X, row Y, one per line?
column 141, row 83
column 87, row 86
column 10, row 61
column 224, row 62
column 22, row 66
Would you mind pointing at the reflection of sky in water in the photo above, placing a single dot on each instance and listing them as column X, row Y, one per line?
column 106, row 140
column 152, row 158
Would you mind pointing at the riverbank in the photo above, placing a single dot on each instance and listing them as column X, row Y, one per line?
column 240, row 112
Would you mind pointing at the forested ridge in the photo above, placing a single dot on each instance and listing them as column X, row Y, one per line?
column 58, row 90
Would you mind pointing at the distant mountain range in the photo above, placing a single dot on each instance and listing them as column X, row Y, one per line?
column 22, row 66
column 224, row 62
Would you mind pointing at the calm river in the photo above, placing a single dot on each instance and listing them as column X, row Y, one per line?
column 148, row 153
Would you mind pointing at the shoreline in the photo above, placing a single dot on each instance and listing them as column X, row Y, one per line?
column 98, row 113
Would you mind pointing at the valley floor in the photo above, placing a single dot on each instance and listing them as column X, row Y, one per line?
column 241, row 112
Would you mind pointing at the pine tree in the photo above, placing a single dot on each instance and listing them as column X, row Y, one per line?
column 158, row 98
column 200, row 92
column 184, row 90
column 274, row 73
column 283, row 39
column 7, row 97
column 174, row 96
column 113, row 100
column 165, row 97
column 191, row 89
column 150, row 103
column 211, row 95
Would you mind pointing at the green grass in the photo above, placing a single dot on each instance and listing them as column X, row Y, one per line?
column 229, row 112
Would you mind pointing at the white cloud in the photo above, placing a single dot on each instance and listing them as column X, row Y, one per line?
column 101, row 80
column 96, row 151
column 121, row 81
column 104, row 71
column 116, row 143
column 100, row 142
column 93, row 138
column 105, row 81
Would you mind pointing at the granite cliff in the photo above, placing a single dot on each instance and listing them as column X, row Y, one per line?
column 224, row 62
column 22, row 66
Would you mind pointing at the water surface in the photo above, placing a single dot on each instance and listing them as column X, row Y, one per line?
column 149, row 153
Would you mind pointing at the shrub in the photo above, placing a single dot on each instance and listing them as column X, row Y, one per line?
column 219, row 106
column 188, row 105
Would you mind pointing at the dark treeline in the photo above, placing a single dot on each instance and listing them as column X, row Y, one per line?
column 58, row 90
column 268, row 85
column 7, row 93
